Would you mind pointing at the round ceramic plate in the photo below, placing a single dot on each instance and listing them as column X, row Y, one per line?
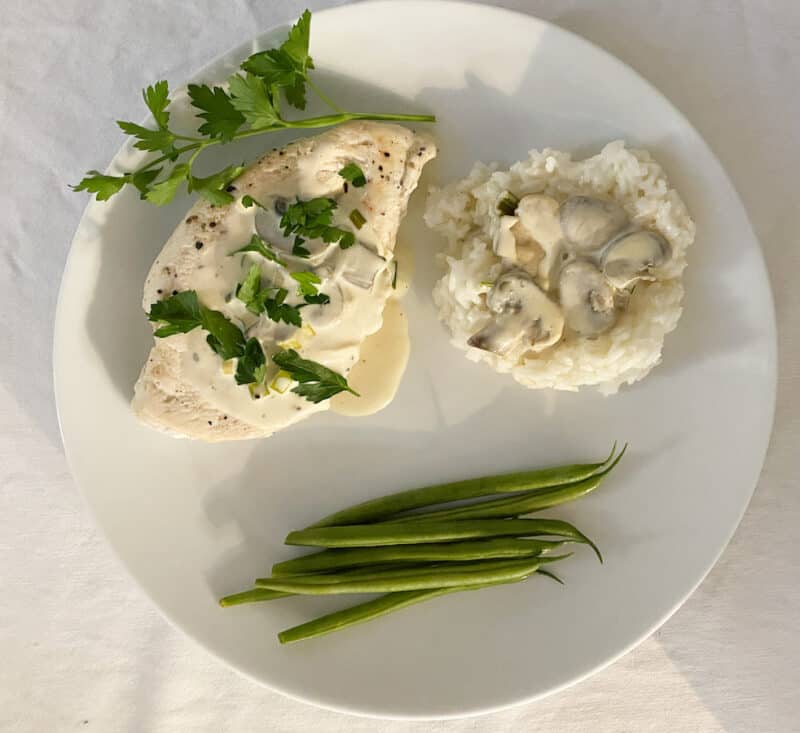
column 192, row 521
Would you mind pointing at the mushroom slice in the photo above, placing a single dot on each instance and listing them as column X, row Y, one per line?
column 360, row 265
column 588, row 223
column 539, row 217
column 587, row 299
column 524, row 314
column 504, row 243
column 633, row 257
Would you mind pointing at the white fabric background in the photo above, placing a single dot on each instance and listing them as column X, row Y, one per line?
column 83, row 649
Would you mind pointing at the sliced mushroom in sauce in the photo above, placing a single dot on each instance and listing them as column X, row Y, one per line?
column 504, row 243
column 589, row 223
column 634, row 256
column 360, row 265
column 587, row 299
column 539, row 220
column 523, row 315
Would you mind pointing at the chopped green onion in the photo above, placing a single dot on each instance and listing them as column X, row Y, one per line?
column 357, row 218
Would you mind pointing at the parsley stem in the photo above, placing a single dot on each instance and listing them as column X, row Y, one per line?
column 324, row 97
column 161, row 159
column 198, row 145
column 327, row 120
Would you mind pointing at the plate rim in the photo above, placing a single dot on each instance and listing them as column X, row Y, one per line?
column 769, row 329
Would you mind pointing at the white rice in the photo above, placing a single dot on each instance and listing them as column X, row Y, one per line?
column 465, row 214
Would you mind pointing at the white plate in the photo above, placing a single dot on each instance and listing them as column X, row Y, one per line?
column 192, row 522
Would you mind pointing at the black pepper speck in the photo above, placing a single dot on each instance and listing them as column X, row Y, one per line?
column 159, row 291
column 198, row 244
column 210, row 423
column 386, row 155
column 212, row 224
column 230, row 189
column 346, row 188
column 174, row 292
column 380, row 167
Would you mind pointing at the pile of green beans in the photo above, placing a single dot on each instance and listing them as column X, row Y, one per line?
column 415, row 545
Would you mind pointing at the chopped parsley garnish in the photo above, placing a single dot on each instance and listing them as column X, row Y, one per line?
column 183, row 312
column 313, row 220
column 315, row 381
column 352, row 173
column 307, row 282
column 260, row 300
column 248, row 201
column 260, row 246
column 250, row 103
column 251, row 367
column 307, row 288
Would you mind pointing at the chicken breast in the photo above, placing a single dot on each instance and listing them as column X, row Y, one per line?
column 185, row 388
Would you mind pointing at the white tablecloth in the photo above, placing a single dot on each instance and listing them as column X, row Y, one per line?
column 81, row 648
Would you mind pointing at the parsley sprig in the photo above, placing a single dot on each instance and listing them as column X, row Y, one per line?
column 260, row 246
column 248, row 105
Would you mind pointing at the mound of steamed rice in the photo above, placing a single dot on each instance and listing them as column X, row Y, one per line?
column 465, row 214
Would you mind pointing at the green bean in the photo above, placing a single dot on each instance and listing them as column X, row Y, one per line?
column 550, row 574
column 370, row 535
column 453, row 551
column 257, row 595
column 366, row 612
column 375, row 609
column 378, row 509
column 388, row 581
column 254, row 595
column 523, row 503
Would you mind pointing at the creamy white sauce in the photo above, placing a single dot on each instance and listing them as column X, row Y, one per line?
column 362, row 333
column 380, row 368
column 384, row 355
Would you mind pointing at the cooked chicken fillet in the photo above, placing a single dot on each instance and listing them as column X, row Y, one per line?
column 185, row 388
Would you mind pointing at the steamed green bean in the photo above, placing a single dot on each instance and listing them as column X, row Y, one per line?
column 490, row 549
column 254, row 595
column 518, row 504
column 379, row 509
column 366, row 612
column 387, row 581
column 368, row 535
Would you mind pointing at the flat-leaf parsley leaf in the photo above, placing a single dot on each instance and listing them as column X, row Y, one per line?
column 352, row 173
column 183, row 312
column 315, row 381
